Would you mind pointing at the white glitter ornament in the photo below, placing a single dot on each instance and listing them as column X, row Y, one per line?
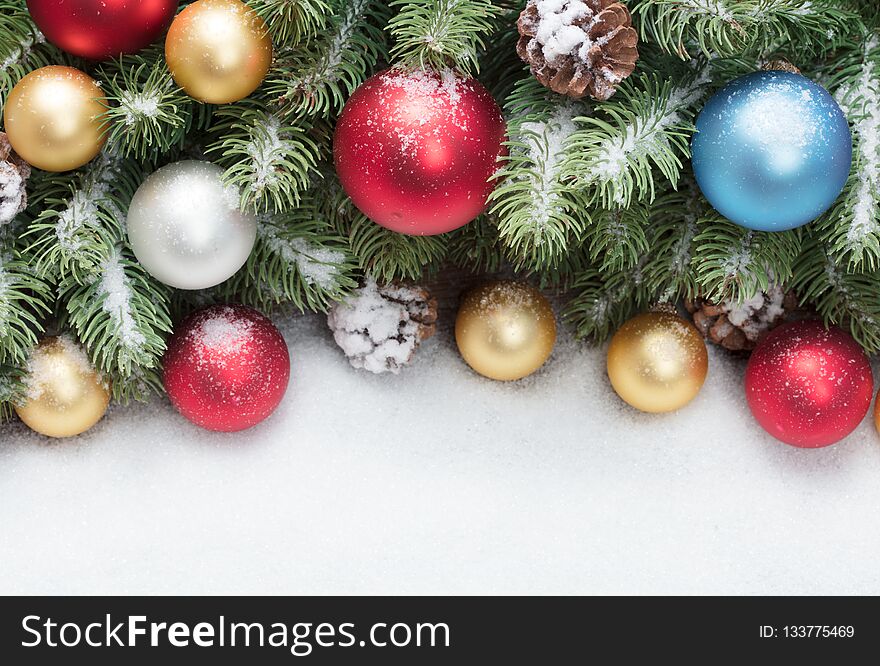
column 186, row 228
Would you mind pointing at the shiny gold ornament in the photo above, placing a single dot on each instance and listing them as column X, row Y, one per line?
column 505, row 330
column 218, row 51
column 65, row 395
column 877, row 413
column 52, row 118
column 657, row 362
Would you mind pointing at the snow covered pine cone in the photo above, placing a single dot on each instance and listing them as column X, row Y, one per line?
column 739, row 327
column 578, row 47
column 14, row 172
column 380, row 328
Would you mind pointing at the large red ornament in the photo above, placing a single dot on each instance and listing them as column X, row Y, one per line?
column 807, row 385
column 101, row 29
column 416, row 151
column 226, row 367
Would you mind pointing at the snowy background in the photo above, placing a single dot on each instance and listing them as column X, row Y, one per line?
column 437, row 481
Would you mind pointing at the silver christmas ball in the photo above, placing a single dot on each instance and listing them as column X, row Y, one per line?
column 185, row 227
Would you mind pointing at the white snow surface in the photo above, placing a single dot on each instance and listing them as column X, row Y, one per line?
column 439, row 481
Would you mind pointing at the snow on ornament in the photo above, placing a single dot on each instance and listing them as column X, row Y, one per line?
column 226, row 368
column 380, row 328
column 417, row 150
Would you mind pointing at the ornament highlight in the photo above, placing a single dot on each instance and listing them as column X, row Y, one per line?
column 52, row 118
column 218, row 51
column 65, row 395
column 772, row 151
column 226, row 368
column 505, row 330
column 186, row 228
column 416, row 151
column 657, row 362
column 807, row 385
column 101, row 29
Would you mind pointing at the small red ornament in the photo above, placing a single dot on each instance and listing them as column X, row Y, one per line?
column 417, row 150
column 226, row 367
column 101, row 29
column 807, row 385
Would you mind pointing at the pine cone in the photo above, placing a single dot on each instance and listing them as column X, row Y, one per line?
column 380, row 328
column 779, row 65
column 14, row 173
column 578, row 47
column 739, row 327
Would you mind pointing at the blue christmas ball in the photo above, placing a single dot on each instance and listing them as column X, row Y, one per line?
column 772, row 151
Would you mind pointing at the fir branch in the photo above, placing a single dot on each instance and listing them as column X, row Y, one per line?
column 292, row 20
column 539, row 214
column 734, row 264
column 24, row 300
column 847, row 299
column 617, row 238
column 146, row 113
column 736, row 27
column 12, row 389
column 389, row 256
column 121, row 315
column 603, row 302
column 298, row 259
column 852, row 227
column 270, row 162
column 646, row 132
column 316, row 79
column 477, row 246
column 501, row 68
column 74, row 235
column 440, row 34
column 674, row 215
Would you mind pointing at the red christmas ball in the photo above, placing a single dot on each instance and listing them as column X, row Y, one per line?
column 416, row 151
column 807, row 385
column 101, row 29
column 226, row 368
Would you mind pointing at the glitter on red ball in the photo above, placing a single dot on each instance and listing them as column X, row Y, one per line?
column 101, row 29
column 807, row 385
column 226, row 368
column 417, row 151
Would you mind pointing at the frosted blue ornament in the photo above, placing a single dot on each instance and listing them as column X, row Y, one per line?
column 772, row 151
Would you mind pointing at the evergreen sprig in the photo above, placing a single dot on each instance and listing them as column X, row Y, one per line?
column 317, row 77
column 440, row 34
column 298, row 258
column 270, row 162
column 539, row 213
column 734, row 264
column 24, row 300
column 638, row 138
column 121, row 316
column 292, row 21
column 730, row 28
column 147, row 114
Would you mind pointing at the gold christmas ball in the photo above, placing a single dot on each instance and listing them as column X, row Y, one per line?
column 657, row 362
column 52, row 118
column 65, row 395
column 877, row 413
column 218, row 51
column 505, row 330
